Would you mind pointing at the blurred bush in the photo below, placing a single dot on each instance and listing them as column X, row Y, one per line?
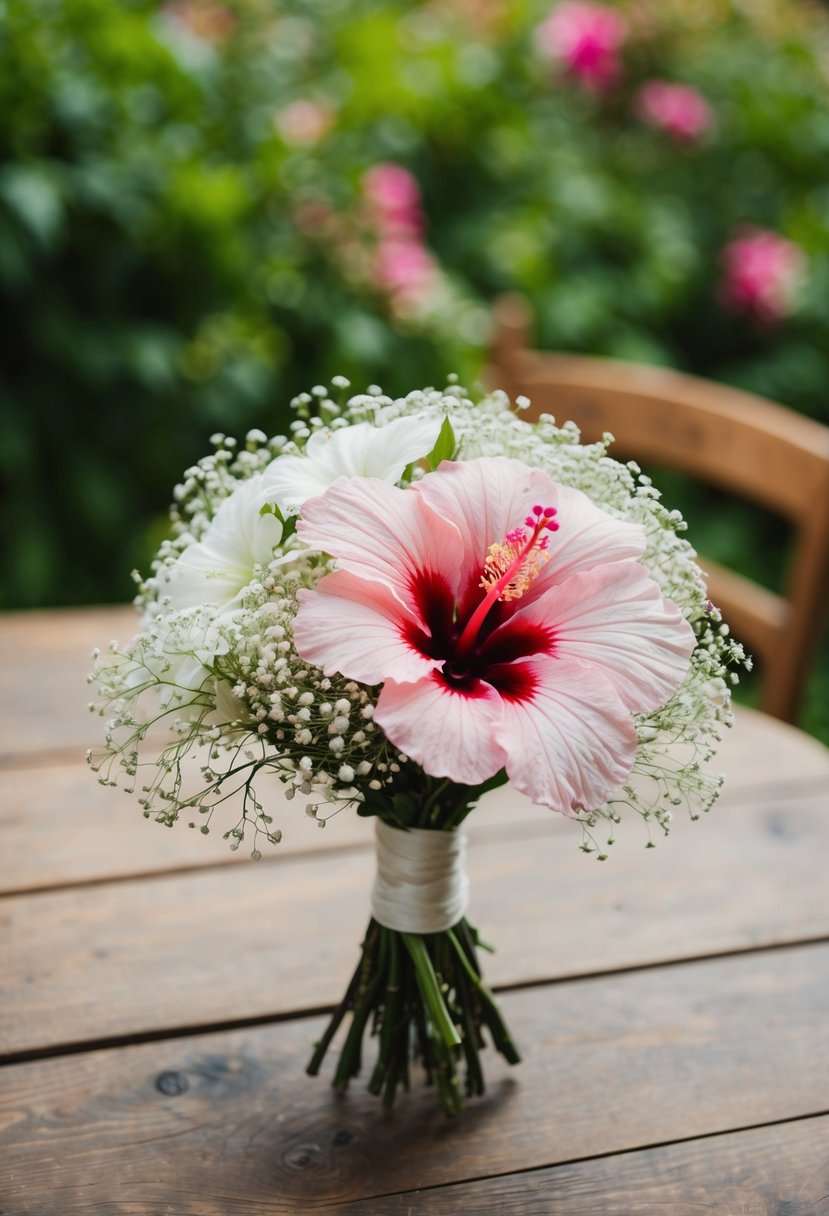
column 205, row 208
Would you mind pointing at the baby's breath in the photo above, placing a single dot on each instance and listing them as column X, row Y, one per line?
column 204, row 709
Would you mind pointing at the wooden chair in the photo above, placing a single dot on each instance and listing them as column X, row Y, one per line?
column 740, row 443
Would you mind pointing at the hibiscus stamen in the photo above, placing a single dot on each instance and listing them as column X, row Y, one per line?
column 511, row 566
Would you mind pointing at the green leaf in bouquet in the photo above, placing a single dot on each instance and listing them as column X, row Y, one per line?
column 445, row 445
column 288, row 522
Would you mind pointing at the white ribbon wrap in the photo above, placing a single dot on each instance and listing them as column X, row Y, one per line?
column 421, row 884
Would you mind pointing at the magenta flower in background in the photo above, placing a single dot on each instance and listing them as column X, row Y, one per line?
column 680, row 111
column 402, row 267
column 508, row 619
column 393, row 196
column 761, row 273
column 585, row 39
column 406, row 271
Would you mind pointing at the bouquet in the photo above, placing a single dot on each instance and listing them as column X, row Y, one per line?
column 398, row 607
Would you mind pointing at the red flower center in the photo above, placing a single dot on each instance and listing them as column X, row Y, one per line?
column 478, row 638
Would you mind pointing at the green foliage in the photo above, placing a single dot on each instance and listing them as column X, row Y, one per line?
column 182, row 248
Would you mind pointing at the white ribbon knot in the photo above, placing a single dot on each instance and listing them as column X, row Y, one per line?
column 421, row 884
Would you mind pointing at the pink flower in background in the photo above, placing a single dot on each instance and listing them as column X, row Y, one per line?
column 586, row 39
column 507, row 619
column 677, row 109
column 761, row 273
column 381, row 244
column 393, row 196
column 401, row 266
column 304, row 122
column 406, row 271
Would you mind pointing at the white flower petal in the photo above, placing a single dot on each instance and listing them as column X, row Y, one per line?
column 362, row 450
column 216, row 568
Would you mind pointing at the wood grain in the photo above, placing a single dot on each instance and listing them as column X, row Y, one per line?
column 44, row 661
column 162, row 936
column 58, row 826
column 227, row 1124
column 781, row 1170
column 211, row 947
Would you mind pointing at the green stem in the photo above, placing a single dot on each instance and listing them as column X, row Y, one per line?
column 492, row 1014
column 471, row 1038
column 351, row 1056
column 434, row 798
column 430, row 989
column 348, row 1001
column 422, row 995
column 387, row 1063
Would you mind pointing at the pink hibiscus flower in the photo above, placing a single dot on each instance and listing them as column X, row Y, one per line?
column 506, row 618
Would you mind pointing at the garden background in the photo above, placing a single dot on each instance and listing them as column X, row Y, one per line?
column 207, row 208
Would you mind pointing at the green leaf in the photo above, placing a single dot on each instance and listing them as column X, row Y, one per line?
column 288, row 522
column 445, row 446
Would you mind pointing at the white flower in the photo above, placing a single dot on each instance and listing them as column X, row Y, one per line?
column 215, row 570
column 204, row 585
column 172, row 657
column 362, row 450
column 179, row 651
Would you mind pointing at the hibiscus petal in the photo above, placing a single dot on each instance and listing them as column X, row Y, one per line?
column 384, row 535
column 568, row 739
column 486, row 498
column 356, row 628
column 449, row 732
column 615, row 619
column 587, row 537
column 489, row 497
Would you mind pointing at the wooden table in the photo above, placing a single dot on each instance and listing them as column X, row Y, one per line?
column 162, row 994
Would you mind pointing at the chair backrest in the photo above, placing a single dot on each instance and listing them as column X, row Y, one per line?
column 740, row 443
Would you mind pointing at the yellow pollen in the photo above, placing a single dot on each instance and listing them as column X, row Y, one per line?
column 501, row 556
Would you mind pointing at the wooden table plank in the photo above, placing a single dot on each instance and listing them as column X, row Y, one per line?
column 59, row 826
column 44, row 661
column 50, row 650
column 227, row 1124
column 218, row 946
column 782, row 1170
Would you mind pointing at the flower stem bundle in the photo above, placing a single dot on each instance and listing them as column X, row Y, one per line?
column 424, row 999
